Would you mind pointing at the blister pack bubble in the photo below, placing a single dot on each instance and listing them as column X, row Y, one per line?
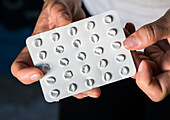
column 81, row 56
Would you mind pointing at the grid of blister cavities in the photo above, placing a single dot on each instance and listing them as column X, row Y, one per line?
column 81, row 56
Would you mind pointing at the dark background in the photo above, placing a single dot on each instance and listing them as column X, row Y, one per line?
column 121, row 100
column 18, row 101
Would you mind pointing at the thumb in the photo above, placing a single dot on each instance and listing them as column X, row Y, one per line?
column 149, row 34
column 29, row 75
column 26, row 74
column 24, row 70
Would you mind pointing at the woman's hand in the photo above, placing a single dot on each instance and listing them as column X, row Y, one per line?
column 55, row 13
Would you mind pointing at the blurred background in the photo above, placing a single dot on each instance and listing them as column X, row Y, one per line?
column 18, row 101
column 121, row 100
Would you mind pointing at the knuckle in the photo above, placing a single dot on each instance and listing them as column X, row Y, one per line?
column 164, row 26
column 150, row 33
column 155, row 97
column 158, row 96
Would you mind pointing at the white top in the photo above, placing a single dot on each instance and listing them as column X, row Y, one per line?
column 139, row 12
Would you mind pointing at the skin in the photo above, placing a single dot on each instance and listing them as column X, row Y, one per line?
column 55, row 13
column 153, row 75
column 153, row 65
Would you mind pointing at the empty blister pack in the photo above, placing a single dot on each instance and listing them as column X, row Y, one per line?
column 81, row 56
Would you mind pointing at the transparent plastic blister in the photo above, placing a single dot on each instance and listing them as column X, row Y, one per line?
column 81, row 56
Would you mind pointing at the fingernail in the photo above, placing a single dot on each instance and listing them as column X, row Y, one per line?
column 35, row 77
column 63, row 16
column 140, row 67
column 131, row 42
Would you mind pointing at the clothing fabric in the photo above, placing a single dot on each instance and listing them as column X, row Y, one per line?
column 139, row 12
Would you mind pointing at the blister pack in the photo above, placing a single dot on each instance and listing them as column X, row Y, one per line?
column 81, row 56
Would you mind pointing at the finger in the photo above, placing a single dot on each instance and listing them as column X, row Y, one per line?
column 26, row 74
column 94, row 93
column 149, row 34
column 55, row 15
column 136, row 59
column 29, row 75
column 160, row 57
column 165, row 64
column 60, row 15
column 126, row 32
column 154, row 53
column 139, row 56
column 42, row 24
column 24, row 70
column 164, row 82
column 163, row 45
column 154, row 67
column 130, row 27
column 155, row 88
column 143, row 57
column 140, row 53
column 80, row 96
column 78, row 14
